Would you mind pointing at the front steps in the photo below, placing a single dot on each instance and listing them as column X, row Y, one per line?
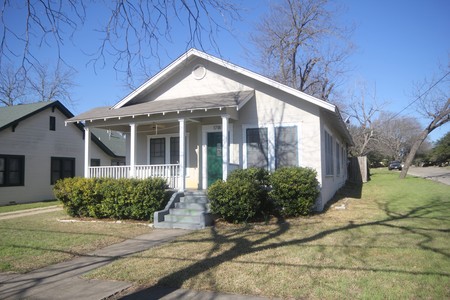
column 188, row 210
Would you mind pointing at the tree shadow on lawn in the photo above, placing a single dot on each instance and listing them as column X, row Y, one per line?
column 243, row 242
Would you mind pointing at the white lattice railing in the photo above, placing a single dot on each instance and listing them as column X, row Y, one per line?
column 169, row 172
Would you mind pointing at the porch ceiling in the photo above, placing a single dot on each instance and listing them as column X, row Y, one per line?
column 205, row 102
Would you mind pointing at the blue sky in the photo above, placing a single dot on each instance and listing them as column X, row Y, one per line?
column 397, row 43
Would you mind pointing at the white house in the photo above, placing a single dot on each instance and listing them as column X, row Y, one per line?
column 202, row 117
column 37, row 148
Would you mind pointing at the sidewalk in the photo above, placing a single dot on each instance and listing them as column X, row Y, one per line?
column 29, row 212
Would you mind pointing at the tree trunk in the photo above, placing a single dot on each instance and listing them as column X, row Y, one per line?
column 412, row 152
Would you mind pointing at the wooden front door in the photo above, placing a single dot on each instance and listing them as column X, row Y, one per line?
column 214, row 156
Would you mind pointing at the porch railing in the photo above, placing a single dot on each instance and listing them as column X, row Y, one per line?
column 170, row 172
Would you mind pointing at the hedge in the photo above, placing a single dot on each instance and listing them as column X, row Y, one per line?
column 112, row 198
column 250, row 193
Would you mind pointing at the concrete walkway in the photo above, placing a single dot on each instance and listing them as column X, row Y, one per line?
column 29, row 212
column 63, row 280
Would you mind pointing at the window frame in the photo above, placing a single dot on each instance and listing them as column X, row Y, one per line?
column 61, row 161
column 52, row 123
column 6, row 172
column 329, row 159
column 167, row 155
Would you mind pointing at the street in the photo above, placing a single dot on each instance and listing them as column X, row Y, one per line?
column 433, row 173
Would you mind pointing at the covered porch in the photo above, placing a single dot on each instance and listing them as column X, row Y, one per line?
column 179, row 140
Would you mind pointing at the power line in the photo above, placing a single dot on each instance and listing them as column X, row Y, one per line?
column 420, row 96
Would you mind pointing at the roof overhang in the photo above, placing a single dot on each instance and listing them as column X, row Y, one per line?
column 189, row 104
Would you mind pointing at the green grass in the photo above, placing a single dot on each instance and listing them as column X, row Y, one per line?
column 31, row 242
column 17, row 207
column 392, row 242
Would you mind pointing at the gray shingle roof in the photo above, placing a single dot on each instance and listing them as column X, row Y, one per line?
column 111, row 139
column 11, row 114
column 233, row 99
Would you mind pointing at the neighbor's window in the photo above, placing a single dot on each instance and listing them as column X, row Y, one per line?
column 328, row 154
column 62, row 167
column 286, row 146
column 52, row 123
column 257, row 148
column 12, row 170
column 95, row 162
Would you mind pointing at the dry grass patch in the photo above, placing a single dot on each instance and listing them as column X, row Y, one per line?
column 31, row 242
column 391, row 242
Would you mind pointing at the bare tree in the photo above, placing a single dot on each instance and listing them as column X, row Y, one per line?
column 433, row 99
column 395, row 135
column 41, row 84
column 301, row 46
column 51, row 85
column 12, row 86
column 132, row 34
column 364, row 109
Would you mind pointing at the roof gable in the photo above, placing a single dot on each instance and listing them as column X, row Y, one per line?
column 10, row 115
column 191, row 55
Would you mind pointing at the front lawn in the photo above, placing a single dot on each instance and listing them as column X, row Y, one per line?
column 31, row 242
column 391, row 241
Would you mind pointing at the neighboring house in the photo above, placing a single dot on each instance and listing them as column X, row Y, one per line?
column 37, row 148
column 202, row 117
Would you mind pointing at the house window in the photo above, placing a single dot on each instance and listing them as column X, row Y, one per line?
column 62, row 167
column 286, row 146
column 95, row 162
column 12, row 170
column 175, row 150
column 158, row 151
column 52, row 123
column 257, row 148
column 328, row 154
column 338, row 159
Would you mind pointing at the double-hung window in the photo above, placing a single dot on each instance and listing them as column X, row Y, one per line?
column 257, row 148
column 166, row 149
column 62, row 167
column 286, row 146
column 328, row 154
column 12, row 170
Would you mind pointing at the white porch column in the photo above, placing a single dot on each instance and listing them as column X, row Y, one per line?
column 182, row 184
column 225, row 146
column 133, row 131
column 87, row 151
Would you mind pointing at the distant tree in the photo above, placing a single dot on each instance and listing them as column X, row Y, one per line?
column 396, row 135
column 433, row 98
column 41, row 84
column 12, row 86
column 441, row 151
column 302, row 46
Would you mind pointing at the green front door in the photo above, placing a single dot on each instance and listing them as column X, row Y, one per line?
column 214, row 156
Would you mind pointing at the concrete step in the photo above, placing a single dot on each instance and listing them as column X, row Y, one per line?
column 196, row 199
column 199, row 206
column 180, row 225
column 186, row 211
column 183, row 218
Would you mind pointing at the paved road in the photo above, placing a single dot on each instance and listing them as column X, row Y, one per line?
column 433, row 173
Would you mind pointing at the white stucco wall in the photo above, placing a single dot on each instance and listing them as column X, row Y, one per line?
column 33, row 139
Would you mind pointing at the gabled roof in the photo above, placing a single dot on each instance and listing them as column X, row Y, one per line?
column 113, row 140
column 124, row 109
column 11, row 116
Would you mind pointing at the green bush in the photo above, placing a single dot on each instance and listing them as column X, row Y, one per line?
column 111, row 198
column 242, row 197
column 294, row 190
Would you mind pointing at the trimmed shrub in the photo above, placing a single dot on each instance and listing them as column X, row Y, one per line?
column 240, row 198
column 111, row 198
column 294, row 190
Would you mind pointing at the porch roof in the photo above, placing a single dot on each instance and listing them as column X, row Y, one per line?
column 204, row 102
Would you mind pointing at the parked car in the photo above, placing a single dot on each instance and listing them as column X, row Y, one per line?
column 395, row 165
